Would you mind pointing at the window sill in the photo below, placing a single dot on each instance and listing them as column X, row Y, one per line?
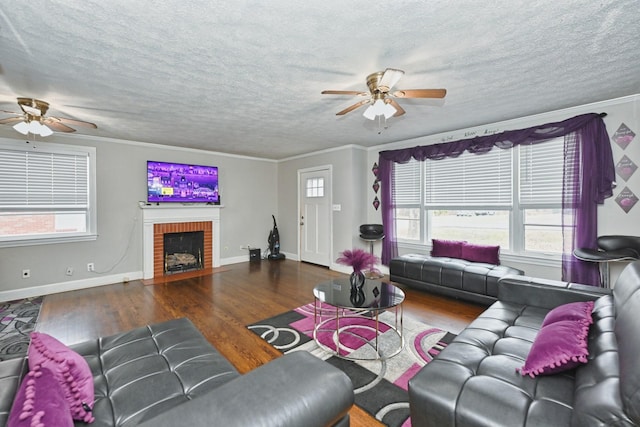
column 47, row 240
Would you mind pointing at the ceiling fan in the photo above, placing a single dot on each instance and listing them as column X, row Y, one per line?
column 32, row 119
column 380, row 97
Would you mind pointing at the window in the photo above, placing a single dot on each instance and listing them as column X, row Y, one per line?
column 407, row 196
column 48, row 193
column 469, row 197
column 507, row 197
column 315, row 187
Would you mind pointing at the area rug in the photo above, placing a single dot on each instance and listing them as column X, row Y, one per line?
column 17, row 320
column 380, row 386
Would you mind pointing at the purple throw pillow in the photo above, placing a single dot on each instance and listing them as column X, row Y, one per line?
column 40, row 402
column 446, row 248
column 481, row 253
column 558, row 347
column 69, row 368
column 571, row 311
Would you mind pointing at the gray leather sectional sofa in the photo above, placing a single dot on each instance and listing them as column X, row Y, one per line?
column 471, row 281
column 167, row 374
column 473, row 381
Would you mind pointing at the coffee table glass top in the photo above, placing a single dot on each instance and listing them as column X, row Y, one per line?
column 373, row 295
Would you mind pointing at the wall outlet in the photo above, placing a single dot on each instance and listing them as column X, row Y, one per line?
column 69, row 271
column 26, row 274
column 91, row 267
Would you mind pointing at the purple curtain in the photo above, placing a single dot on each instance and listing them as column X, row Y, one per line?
column 387, row 202
column 587, row 182
column 594, row 178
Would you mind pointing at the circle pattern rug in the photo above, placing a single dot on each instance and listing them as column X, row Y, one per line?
column 380, row 385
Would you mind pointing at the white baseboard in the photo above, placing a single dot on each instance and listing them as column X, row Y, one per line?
column 73, row 285
column 234, row 260
column 245, row 258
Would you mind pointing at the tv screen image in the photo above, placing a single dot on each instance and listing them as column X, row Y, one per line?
column 178, row 182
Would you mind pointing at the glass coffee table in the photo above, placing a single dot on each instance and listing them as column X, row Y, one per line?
column 348, row 323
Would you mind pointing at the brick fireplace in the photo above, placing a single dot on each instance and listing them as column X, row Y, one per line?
column 161, row 219
column 159, row 236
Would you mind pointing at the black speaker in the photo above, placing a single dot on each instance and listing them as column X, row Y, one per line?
column 254, row 255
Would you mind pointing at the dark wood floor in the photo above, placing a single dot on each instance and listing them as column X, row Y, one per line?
column 221, row 304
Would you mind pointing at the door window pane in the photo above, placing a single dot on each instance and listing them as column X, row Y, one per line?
column 315, row 187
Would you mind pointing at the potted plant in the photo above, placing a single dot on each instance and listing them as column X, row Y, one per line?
column 358, row 260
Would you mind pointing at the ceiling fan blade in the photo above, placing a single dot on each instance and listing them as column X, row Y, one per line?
column 389, row 79
column 400, row 111
column 75, row 122
column 420, row 93
column 12, row 112
column 353, row 107
column 344, row 92
column 11, row 120
column 55, row 124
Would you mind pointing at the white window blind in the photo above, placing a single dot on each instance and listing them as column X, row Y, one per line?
column 32, row 180
column 541, row 173
column 470, row 180
column 406, row 182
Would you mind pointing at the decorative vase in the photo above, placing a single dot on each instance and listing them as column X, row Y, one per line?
column 357, row 296
column 356, row 279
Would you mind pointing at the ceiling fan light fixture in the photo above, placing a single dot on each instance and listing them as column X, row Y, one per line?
column 369, row 113
column 45, row 130
column 22, row 127
column 33, row 127
column 379, row 108
column 389, row 111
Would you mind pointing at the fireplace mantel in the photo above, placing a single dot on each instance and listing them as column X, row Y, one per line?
column 163, row 214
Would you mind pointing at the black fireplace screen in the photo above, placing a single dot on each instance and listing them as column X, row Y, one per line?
column 183, row 251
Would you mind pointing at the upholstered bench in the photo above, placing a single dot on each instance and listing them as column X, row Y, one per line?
column 454, row 277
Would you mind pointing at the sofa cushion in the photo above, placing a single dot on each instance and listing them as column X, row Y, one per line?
column 580, row 310
column 558, row 347
column 148, row 370
column 446, row 248
column 481, row 253
column 473, row 381
column 40, row 402
column 70, row 369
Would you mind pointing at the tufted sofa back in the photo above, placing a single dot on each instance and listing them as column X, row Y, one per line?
column 627, row 304
column 607, row 388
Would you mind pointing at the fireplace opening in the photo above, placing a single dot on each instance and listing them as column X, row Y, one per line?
column 183, row 251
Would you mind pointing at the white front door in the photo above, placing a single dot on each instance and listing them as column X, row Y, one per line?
column 315, row 216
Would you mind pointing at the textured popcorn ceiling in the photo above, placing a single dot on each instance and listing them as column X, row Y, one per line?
column 245, row 77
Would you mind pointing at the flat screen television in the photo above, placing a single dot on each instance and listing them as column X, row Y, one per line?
column 178, row 182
